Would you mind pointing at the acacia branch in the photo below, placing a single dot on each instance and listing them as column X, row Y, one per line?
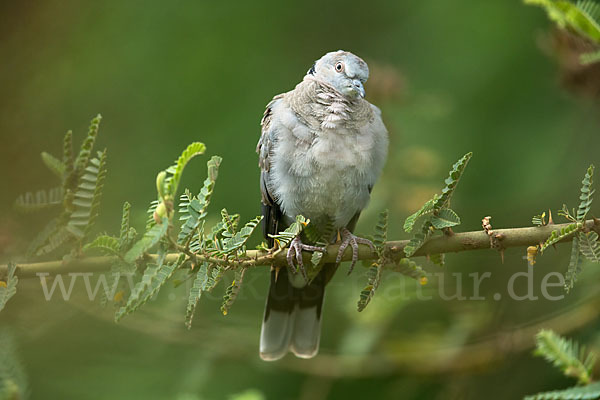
column 448, row 243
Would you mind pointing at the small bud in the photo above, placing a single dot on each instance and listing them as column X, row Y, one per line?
column 160, row 213
column 531, row 253
column 160, row 183
column 119, row 296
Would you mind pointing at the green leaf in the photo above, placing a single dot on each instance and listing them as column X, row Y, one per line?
column 590, row 58
column 580, row 17
column 589, row 392
column 184, row 201
column 13, row 380
column 50, row 238
column 574, row 265
column 427, row 208
column 150, row 222
column 315, row 259
column 451, row 181
column 41, row 200
column 380, row 237
column 199, row 285
column 86, row 147
column 284, row 238
column 539, row 220
column 134, row 300
column 87, row 197
column 8, row 288
column 119, row 289
column 164, row 273
column 434, row 209
column 232, row 291
column 438, row 259
column 193, row 150
column 69, row 180
column 321, row 235
column 408, row 267
column 418, row 239
column 586, row 194
column 557, row 236
column 445, row 218
column 589, row 246
column 215, row 274
column 195, row 207
column 127, row 234
column 150, row 239
column 230, row 222
column 68, row 160
column 233, row 244
column 250, row 394
column 566, row 355
column 107, row 244
column 124, row 231
column 56, row 166
column 367, row 293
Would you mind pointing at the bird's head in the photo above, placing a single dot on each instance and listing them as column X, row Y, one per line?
column 344, row 71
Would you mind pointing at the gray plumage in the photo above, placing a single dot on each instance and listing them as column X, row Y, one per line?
column 321, row 150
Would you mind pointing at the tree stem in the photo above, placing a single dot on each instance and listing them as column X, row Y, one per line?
column 455, row 242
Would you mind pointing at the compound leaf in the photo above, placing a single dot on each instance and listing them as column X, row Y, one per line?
column 589, row 392
column 445, row 218
column 589, row 246
column 150, row 239
column 8, row 288
column 566, row 355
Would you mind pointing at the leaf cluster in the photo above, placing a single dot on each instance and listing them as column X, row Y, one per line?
column 436, row 213
column 8, row 287
column 584, row 243
column 82, row 180
column 572, row 360
column 202, row 254
column 581, row 18
column 404, row 266
column 13, row 380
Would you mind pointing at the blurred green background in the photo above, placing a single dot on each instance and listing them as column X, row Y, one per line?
column 450, row 77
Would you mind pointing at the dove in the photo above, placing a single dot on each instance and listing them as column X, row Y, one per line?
column 321, row 149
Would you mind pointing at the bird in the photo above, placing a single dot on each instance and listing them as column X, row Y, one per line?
column 321, row 149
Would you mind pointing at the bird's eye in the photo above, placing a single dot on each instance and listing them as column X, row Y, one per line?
column 339, row 67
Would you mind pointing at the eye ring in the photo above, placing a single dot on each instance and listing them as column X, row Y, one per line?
column 339, row 67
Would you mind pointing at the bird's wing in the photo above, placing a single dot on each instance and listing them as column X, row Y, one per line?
column 371, row 124
column 271, row 212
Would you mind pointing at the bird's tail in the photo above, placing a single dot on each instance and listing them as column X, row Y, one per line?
column 292, row 320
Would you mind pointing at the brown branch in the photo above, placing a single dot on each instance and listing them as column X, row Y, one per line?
column 464, row 241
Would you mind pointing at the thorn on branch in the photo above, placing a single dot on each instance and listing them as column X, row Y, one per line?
column 495, row 238
column 448, row 231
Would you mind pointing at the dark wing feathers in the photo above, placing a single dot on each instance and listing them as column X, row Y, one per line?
column 272, row 215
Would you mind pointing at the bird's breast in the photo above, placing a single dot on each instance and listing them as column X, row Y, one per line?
column 323, row 175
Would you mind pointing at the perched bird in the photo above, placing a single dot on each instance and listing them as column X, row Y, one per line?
column 321, row 150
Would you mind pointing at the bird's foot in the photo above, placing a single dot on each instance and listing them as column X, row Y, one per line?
column 295, row 251
column 350, row 239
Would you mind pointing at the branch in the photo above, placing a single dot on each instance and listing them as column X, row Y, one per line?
column 449, row 243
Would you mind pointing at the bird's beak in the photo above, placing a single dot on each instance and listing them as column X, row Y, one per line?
column 358, row 86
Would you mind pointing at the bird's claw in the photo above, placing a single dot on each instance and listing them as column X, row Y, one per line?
column 295, row 251
column 349, row 239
